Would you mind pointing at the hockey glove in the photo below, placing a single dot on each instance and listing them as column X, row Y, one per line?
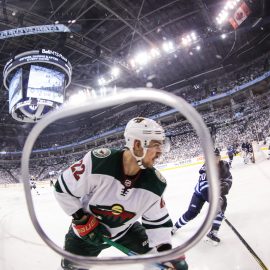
column 178, row 264
column 224, row 188
column 91, row 230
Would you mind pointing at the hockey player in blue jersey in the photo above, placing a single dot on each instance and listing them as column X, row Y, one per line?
column 107, row 191
column 231, row 152
column 200, row 196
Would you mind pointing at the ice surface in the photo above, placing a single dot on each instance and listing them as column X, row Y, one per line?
column 248, row 210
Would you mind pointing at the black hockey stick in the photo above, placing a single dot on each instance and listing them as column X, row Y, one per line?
column 132, row 253
column 256, row 257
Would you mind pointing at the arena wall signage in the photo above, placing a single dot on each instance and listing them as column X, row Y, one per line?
column 32, row 30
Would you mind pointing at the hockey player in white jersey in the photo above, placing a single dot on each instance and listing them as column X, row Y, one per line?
column 200, row 196
column 108, row 190
column 33, row 185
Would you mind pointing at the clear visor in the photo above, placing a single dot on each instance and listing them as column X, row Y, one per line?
column 161, row 146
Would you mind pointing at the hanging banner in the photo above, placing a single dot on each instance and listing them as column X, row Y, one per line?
column 33, row 30
column 240, row 15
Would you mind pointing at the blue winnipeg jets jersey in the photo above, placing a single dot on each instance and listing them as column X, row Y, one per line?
column 98, row 182
column 225, row 178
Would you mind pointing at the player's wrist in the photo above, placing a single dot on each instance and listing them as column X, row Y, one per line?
column 82, row 221
column 79, row 214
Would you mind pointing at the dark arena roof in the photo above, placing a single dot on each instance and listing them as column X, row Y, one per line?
column 192, row 47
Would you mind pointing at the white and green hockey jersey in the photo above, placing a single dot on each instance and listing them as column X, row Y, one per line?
column 117, row 201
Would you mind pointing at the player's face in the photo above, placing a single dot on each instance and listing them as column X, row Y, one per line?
column 154, row 151
column 217, row 158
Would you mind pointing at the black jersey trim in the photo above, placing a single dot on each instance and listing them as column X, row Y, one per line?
column 167, row 224
column 58, row 187
column 157, row 220
column 121, row 233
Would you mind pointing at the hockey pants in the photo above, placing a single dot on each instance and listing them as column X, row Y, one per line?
column 135, row 239
column 195, row 206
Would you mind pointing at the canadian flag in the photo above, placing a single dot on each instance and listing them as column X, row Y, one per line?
column 240, row 15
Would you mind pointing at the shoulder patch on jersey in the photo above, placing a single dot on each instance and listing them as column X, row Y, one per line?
column 160, row 176
column 102, row 152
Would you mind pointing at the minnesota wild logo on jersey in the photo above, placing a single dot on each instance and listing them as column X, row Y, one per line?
column 114, row 216
column 101, row 152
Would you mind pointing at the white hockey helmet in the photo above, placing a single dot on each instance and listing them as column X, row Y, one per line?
column 145, row 130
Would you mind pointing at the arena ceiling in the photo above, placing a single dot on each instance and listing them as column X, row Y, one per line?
column 105, row 33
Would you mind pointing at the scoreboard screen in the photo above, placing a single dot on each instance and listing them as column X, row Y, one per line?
column 15, row 89
column 46, row 83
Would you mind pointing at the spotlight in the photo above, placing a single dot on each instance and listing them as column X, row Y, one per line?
column 115, row 72
column 132, row 63
column 168, row 46
column 101, row 81
column 223, row 36
column 155, row 52
column 142, row 58
column 193, row 36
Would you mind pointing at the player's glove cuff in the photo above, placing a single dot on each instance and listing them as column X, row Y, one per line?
column 91, row 230
column 85, row 225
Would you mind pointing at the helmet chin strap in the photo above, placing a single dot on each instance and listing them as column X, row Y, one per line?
column 139, row 162
column 139, row 159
